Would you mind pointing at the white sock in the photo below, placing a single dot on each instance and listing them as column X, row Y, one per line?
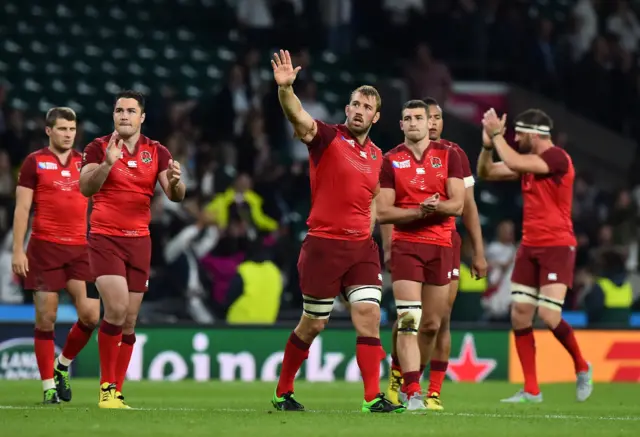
column 64, row 360
column 48, row 384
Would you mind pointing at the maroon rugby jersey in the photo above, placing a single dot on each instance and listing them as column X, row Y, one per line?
column 122, row 207
column 60, row 210
column 414, row 180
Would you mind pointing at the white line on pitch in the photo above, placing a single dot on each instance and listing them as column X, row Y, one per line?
column 253, row 410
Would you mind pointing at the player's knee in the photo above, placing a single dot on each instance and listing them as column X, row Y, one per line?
column 409, row 316
column 550, row 316
column 46, row 320
column 522, row 314
column 89, row 315
column 308, row 329
column 366, row 319
column 429, row 326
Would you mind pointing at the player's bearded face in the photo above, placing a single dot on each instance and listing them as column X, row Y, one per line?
column 127, row 117
column 435, row 122
column 361, row 113
column 414, row 124
column 525, row 142
column 63, row 134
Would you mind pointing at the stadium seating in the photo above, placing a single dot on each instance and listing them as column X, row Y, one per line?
column 80, row 53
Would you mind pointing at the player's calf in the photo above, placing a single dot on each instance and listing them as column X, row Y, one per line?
column 88, row 316
column 46, row 304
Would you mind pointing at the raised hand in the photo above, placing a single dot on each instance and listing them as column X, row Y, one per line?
column 114, row 149
column 174, row 172
column 492, row 123
column 283, row 71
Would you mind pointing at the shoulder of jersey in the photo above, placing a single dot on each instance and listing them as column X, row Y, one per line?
column 450, row 144
column 36, row 153
column 440, row 145
column 395, row 150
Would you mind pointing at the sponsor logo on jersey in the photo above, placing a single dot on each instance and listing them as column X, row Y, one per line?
column 145, row 157
column 132, row 164
column 363, row 154
column 65, row 173
column 402, row 164
column 420, row 170
column 48, row 165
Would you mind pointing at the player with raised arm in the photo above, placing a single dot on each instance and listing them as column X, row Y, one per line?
column 545, row 260
column 421, row 191
column 440, row 357
column 120, row 172
column 56, row 257
column 338, row 254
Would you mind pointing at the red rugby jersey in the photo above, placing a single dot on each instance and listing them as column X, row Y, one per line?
column 548, row 200
column 344, row 176
column 122, row 207
column 414, row 180
column 60, row 210
column 467, row 175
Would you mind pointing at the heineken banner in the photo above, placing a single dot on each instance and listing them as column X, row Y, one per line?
column 247, row 354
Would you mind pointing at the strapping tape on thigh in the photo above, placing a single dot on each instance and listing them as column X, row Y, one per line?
column 317, row 308
column 550, row 303
column 365, row 294
column 524, row 294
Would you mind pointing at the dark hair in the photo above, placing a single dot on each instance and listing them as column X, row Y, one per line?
column 60, row 112
column 131, row 94
column 369, row 91
column 415, row 104
column 535, row 117
column 430, row 101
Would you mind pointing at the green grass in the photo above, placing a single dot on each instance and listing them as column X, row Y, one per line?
column 192, row 409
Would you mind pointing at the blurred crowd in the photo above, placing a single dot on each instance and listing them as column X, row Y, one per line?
column 247, row 178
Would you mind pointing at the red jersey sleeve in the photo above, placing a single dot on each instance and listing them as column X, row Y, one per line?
column 164, row 156
column 455, row 169
column 28, row 176
column 557, row 161
column 93, row 153
column 387, row 175
column 325, row 134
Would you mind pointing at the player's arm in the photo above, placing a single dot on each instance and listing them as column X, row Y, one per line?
column 169, row 173
column 27, row 183
column 454, row 204
column 374, row 209
column 96, row 165
column 493, row 171
column 516, row 162
column 388, row 213
column 304, row 126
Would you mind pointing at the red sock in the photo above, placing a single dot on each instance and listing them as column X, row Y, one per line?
column 77, row 339
column 124, row 357
column 564, row 333
column 395, row 363
column 411, row 382
column 295, row 352
column 369, row 353
column 109, row 337
column 45, row 353
column 437, row 372
column 526, row 347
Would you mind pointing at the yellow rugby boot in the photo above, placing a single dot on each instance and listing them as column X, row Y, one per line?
column 433, row 402
column 395, row 382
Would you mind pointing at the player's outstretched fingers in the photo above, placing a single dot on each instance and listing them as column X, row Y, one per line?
column 283, row 57
column 287, row 57
column 276, row 60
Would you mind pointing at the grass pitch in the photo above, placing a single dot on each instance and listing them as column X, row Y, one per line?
column 193, row 409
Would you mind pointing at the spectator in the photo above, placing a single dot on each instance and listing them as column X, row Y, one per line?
column 428, row 77
column 624, row 24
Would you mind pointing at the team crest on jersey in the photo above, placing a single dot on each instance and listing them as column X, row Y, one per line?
column 78, row 165
column 374, row 155
column 436, row 162
column 145, row 157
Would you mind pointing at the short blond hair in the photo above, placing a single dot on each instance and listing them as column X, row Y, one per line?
column 369, row 91
column 63, row 112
